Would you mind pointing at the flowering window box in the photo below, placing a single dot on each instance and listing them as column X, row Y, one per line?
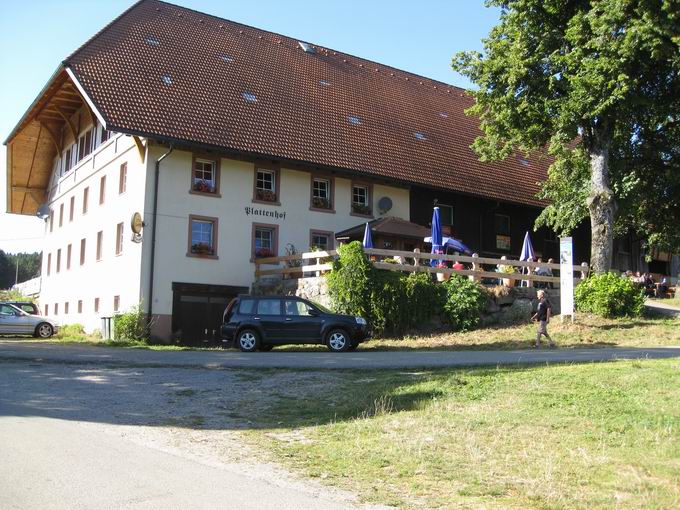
column 202, row 186
column 362, row 209
column 202, row 249
column 321, row 203
column 265, row 195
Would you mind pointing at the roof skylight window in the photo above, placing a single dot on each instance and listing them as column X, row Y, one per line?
column 444, row 114
column 226, row 58
column 420, row 136
column 325, row 83
column 353, row 119
column 306, row 47
column 166, row 79
column 152, row 41
column 249, row 97
column 523, row 161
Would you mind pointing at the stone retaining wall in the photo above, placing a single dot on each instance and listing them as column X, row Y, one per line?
column 505, row 305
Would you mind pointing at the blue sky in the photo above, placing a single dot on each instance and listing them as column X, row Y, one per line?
column 420, row 37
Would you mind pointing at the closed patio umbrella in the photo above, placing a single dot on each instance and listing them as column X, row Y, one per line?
column 436, row 235
column 368, row 240
column 527, row 254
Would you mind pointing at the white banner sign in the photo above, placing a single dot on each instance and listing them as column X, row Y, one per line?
column 566, row 276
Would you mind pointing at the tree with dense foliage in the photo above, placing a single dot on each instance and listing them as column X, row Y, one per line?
column 29, row 267
column 597, row 83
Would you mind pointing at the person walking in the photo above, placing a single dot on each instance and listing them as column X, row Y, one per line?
column 542, row 315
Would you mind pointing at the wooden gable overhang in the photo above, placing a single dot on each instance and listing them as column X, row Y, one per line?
column 38, row 138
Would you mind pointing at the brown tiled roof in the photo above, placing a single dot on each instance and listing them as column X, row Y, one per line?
column 305, row 102
column 390, row 225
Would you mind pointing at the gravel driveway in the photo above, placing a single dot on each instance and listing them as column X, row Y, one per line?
column 185, row 422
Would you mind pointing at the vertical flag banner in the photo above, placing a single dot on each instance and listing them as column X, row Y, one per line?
column 567, row 277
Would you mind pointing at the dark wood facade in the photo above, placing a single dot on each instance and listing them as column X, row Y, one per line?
column 493, row 228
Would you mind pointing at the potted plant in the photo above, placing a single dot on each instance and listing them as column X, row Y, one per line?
column 201, row 249
column 263, row 252
column 361, row 209
column 203, row 186
column 265, row 195
column 321, row 203
column 442, row 277
column 505, row 269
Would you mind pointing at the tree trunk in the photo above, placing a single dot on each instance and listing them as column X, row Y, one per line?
column 601, row 204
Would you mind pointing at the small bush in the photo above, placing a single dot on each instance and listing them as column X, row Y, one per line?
column 609, row 295
column 425, row 299
column 465, row 301
column 71, row 331
column 131, row 326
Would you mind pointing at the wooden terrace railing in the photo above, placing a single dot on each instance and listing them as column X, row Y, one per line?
column 317, row 261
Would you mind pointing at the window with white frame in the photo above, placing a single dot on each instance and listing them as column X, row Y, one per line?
column 361, row 199
column 204, row 176
column 264, row 242
column 321, row 193
column 119, row 238
column 265, row 185
column 320, row 241
column 202, row 236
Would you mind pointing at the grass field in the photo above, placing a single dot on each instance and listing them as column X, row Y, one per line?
column 587, row 331
column 670, row 302
column 603, row 435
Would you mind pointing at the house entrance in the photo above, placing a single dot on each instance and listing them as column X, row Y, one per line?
column 197, row 311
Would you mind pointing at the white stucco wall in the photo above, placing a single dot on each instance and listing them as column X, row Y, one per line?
column 113, row 274
column 233, row 266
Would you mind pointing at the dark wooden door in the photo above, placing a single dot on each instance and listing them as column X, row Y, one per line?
column 197, row 311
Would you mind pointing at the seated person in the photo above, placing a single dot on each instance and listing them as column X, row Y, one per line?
column 662, row 288
column 457, row 265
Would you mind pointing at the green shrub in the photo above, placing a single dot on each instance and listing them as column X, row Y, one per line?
column 349, row 283
column 465, row 301
column 393, row 302
column 389, row 302
column 131, row 326
column 609, row 295
column 425, row 299
column 71, row 331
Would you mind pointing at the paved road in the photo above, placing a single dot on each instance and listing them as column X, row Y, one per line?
column 661, row 308
column 56, row 464
column 12, row 349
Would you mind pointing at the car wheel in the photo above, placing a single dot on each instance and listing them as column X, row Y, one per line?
column 248, row 340
column 44, row 330
column 338, row 340
column 265, row 347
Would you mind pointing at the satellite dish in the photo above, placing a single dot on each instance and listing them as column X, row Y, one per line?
column 384, row 205
column 43, row 211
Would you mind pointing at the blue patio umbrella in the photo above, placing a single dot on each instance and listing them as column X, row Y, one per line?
column 527, row 249
column 452, row 243
column 527, row 254
column 436, row 235
column 368, row 240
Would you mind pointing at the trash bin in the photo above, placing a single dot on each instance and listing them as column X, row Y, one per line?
column 107, row 328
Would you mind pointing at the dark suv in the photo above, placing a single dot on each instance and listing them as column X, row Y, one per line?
column 261, row 322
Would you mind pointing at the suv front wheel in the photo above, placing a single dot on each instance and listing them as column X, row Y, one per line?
column 248, row 340
column 338, row 340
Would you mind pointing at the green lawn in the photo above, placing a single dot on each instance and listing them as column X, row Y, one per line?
column 603, row 435
column 587, row 331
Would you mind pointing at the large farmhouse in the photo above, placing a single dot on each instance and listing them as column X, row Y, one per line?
column 174, row 148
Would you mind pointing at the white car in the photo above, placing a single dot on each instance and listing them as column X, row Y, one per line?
column 14, row 321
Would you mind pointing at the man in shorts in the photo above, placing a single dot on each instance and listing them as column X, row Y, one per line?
column 542, row 315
